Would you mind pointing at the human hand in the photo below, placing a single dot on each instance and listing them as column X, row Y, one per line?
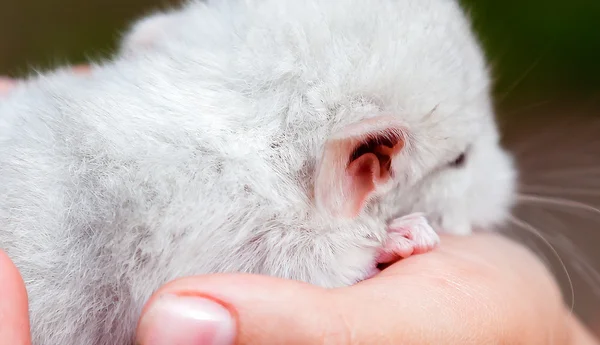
column 481, row 289
column 14, row 316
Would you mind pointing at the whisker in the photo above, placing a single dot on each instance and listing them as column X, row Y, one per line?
column 580, row 263
column 531, row 229
column 519, row 80
column 576, row 259
column 556, row 201
column 562, row 190
column 529, row 107
column 573, row 171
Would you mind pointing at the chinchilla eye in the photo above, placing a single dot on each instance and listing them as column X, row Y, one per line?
column 459, row 161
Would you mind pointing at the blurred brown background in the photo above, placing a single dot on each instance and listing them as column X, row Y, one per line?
column 545, row 56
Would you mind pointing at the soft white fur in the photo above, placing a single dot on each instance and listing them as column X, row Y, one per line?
column 194, row 151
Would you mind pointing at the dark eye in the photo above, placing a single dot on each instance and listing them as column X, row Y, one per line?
column 459, row 161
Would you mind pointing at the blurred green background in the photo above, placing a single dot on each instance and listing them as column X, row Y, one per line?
column 545, row 56
column 538, row 49
column 541, row 48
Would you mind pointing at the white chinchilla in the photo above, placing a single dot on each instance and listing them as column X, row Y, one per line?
column 276, row 137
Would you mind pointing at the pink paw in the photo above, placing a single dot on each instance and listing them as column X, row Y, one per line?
column 407, row 236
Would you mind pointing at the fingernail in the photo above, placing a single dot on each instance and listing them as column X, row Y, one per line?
column 186, row 320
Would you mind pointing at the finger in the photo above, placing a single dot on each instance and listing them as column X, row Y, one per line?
column 235, row 309
column 579, row 334
column 6, row 84
column 480, row 289
column 453, row 303
column 81, row 69
column 14, row 316
column 482, row 284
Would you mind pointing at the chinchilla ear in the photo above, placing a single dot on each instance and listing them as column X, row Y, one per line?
column 355, row 161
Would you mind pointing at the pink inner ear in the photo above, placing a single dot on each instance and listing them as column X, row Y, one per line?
column 355, row 162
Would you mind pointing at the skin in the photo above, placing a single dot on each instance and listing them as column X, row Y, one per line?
column 480, row 289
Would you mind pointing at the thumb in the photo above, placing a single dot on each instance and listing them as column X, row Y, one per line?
column 239, row 309
column 14, row 315
column 475, row 290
